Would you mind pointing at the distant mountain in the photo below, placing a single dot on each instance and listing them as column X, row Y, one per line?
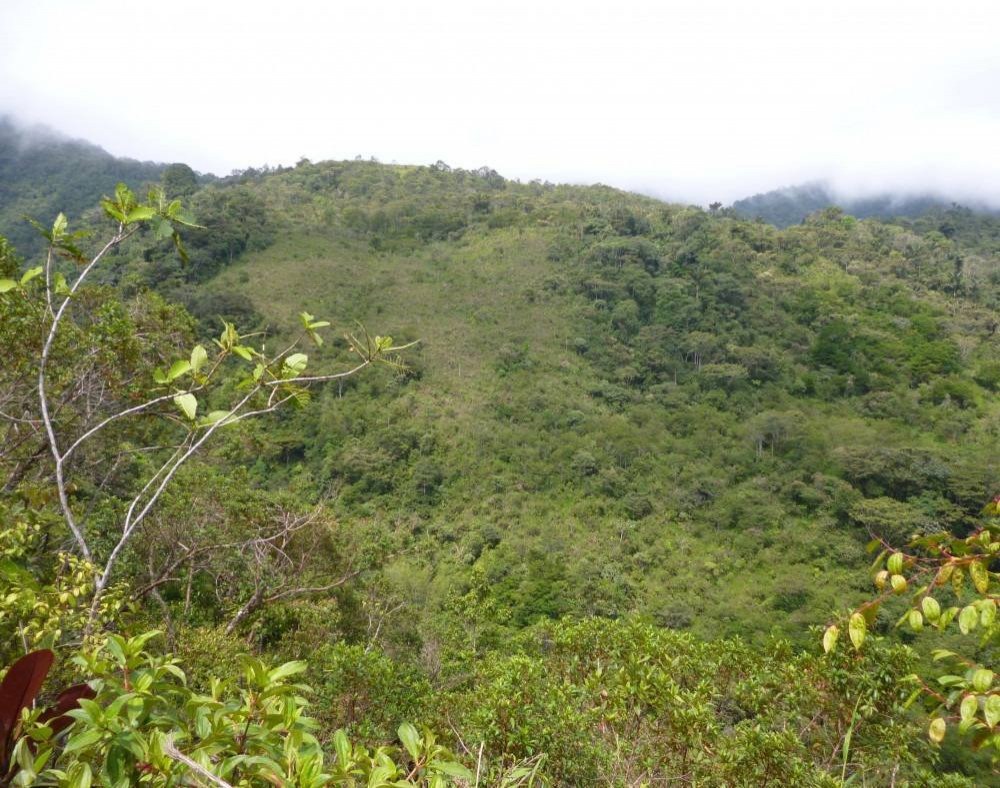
column 792, row 204
column 43, row 172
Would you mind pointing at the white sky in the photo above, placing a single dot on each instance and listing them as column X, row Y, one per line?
column 694, row 100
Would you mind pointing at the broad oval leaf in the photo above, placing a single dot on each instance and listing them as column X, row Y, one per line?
column 936, row 730
column 411, row 739
column 296, row 363
column 988, row 613
column 895, row 564
column 857, row 628
column 982, row 679
column 830, row 638
column 968, row 708
column 967, row 619
column 188, row 404
column 992, row 710
column 931, row 608
column 286, row 670
column 980, row 577
column 198, row 358
column 31, row 273
column 178, row 368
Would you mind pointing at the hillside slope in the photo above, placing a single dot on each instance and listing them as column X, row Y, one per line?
column 619, row 405
column 43, row 173
column 791, row 205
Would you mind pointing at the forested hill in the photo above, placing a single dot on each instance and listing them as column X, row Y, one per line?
column 617, row 405
column 791, row 205
column 589, row 529
column 43, row 173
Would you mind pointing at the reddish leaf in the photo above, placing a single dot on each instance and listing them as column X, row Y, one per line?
column 55, row 716
column 18, row 691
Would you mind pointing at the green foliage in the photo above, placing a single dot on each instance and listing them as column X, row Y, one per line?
column 625, row 702
column 947, row 582
column 623, row 410
column 145, row 725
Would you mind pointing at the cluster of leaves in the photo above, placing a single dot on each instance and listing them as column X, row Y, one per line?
column 143, row 725
column 948, row 584
column 45, row 601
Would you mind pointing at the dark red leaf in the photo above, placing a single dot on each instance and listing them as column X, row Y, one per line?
column 69, row 699
column 18, row 691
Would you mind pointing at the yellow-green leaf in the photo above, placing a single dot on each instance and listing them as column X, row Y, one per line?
column 937, row 729
column 967, row 619
column 188, row 404
column 198, row 358
column 857, row 628
column 992, row 710
column 898, row 583
column 982, row 679
column 931, row 608
column 895, row 564
column 968, row 708
column 980, row 577
column 830, row 638
column 178, row 368
column 295, row 364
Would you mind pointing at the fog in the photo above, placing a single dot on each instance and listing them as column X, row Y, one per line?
column 697, row 101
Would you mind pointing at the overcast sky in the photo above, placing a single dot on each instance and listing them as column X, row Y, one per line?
column 694, row 100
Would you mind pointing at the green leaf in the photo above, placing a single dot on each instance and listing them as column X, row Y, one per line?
column 830, row 638
column 992, row 710
column 198, row 358
column 898, row 583
column 188, row 404
column 286, row 670
column 936, row 730
column 857, row 628
column 7, row 285
column 295, row 364
column 178, row 368
column 243, row 352
column 114, row 645
column 980, row 577
column 988, row 613
column 112, row 210
column 982, row 680
column 342, row 747
column 59, row 227
column 931, row 608
column 455, row 769
column 162, row 230
column 968, row 708
column 215, row 416
column 947, row 617
column 411, row 739
column 83, row 739
column 967, row 619
column 140, row 213
column 895, row 564
column 31, row 273
column 60, row 285
column 916, row 619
